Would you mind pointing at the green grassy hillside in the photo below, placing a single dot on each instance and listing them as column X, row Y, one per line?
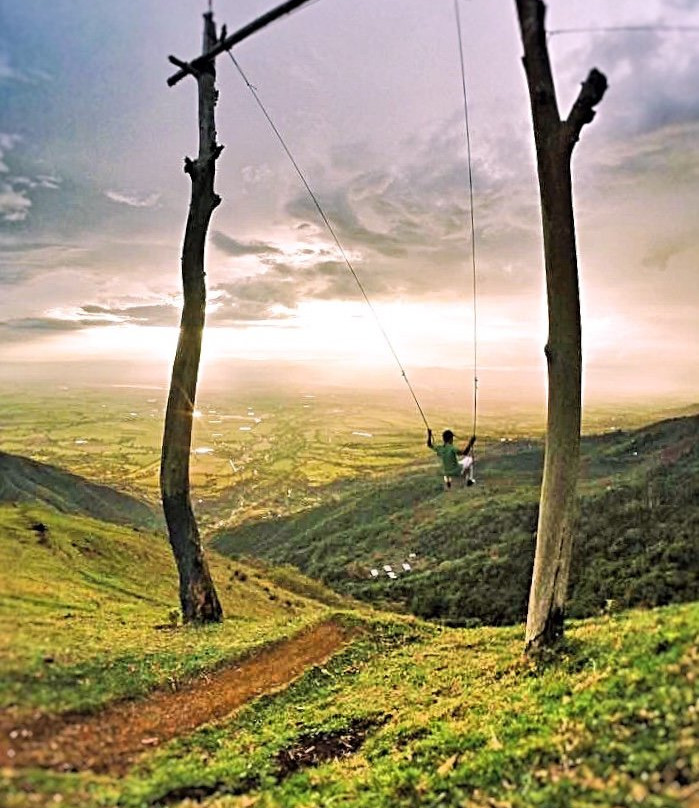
column 413, row 715
column 471, row 551
column 88, row 612
column 409, row 714
column 25, row 480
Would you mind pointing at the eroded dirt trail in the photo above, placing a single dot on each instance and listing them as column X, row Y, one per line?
column 111, row 740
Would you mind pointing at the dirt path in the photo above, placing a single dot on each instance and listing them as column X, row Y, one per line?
column 111, row 740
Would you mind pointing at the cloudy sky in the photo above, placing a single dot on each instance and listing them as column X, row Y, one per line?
column 368, row 95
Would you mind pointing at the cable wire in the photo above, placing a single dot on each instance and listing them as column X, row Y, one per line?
column 332, row 232
column 472, row 217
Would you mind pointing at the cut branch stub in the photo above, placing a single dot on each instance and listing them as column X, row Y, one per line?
column 583, row 111
column 226, row 43
column 184, row 66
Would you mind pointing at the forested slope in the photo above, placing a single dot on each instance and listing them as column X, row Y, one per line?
column 470, row 551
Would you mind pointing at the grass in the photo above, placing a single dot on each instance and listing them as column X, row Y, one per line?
column 86, row 612
column 411, row 713
column 443, row 717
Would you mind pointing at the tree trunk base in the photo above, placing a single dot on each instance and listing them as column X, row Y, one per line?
column 200, row 609
column 199, row 602
column 549, row 637
column 198, row 598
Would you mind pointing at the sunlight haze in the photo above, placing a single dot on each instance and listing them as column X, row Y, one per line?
column 93, row 199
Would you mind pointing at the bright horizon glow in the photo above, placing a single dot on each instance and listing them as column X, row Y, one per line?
column 424, row 334
column 91, row 228
column 341, row 338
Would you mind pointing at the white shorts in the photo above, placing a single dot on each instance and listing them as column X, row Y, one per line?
column 465, row 462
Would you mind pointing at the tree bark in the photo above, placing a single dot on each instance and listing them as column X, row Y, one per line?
column 198, row 598
column 555, row 140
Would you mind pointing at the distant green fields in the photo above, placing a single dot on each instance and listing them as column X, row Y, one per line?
column 339, row 484
column 259, row 455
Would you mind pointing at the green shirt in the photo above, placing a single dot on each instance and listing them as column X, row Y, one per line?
column 449, row 458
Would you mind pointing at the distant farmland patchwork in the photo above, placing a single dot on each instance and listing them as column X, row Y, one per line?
column 338, row 486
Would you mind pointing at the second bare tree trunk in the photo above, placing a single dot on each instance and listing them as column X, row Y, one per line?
column 555, row 140
column 198, row 598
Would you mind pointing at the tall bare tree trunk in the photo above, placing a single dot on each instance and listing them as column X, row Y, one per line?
column 555, row 140
column 200, row 603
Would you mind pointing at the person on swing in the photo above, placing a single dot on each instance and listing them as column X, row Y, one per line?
column 451, row 464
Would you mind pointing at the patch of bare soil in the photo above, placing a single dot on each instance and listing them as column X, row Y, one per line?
column 111, row 740
column 308, row 750
column 317, row 748
column 201, row 793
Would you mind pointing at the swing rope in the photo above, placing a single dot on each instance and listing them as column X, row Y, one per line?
column 472, row 220
column 332, row 232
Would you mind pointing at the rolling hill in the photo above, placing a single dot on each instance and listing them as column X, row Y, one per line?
column 400, row 712
column 25, row 480
column 403, row 713
column 82, row 599
column 470, row 551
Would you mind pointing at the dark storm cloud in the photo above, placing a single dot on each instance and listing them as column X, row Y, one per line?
column 235, row 248
column 652, row 79
column 51, row 324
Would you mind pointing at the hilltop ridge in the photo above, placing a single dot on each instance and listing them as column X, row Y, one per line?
column 637, row 540
column 26, row 480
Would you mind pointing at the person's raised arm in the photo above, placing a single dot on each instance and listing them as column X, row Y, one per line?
column 469, row 445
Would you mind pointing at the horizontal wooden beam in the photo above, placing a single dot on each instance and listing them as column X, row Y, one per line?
column 193, row 67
